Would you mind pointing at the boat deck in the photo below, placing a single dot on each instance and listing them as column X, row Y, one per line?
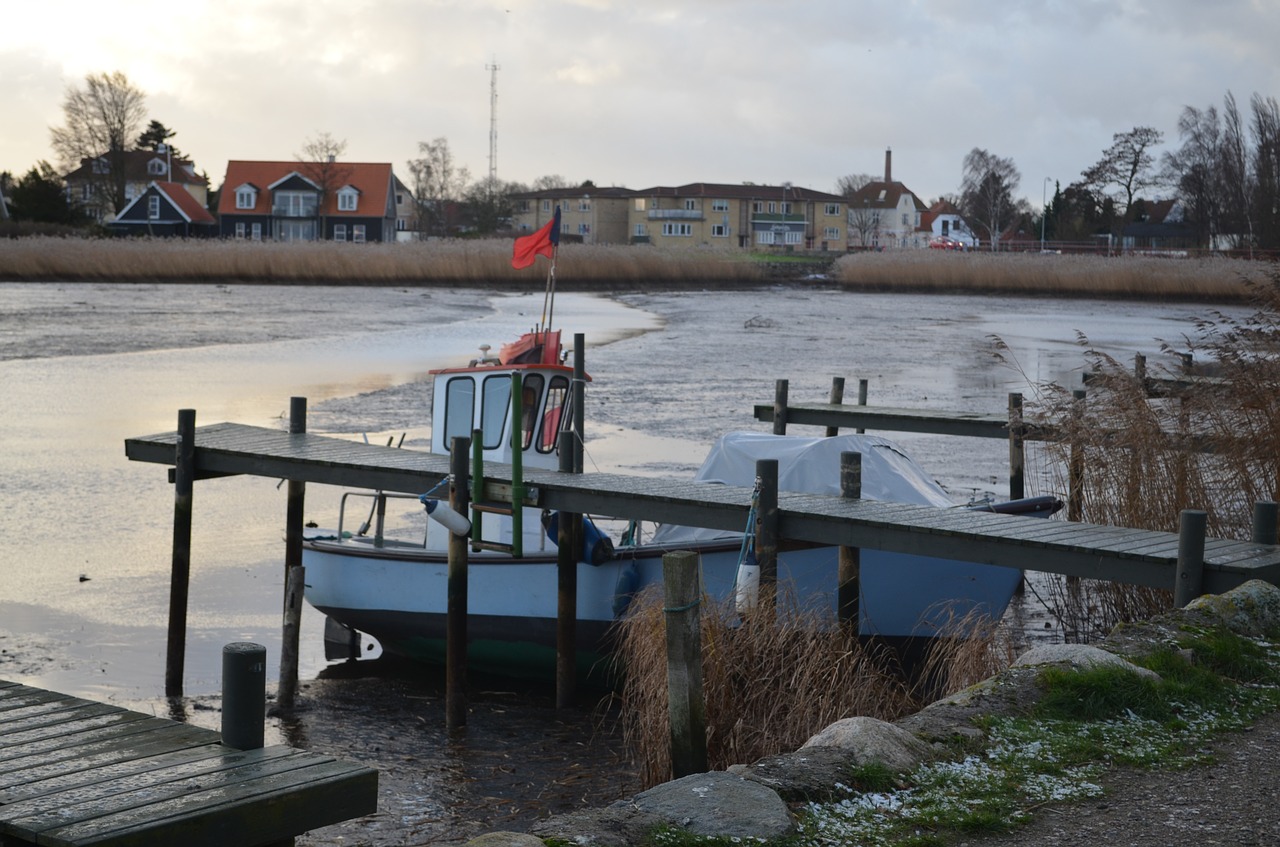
column 1118, row 554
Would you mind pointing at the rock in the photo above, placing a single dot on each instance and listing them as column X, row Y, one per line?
column 1249, row 609
column 617, row 825
column 1012, row 691
column 1080, row 656
column 867, row 740
column 717, row 805
column 809, row 776
column 505, row 839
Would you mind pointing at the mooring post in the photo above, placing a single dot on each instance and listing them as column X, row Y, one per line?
column 455, row 674
column 1017, row 448
column 294, row 574
column 766, row 530
column 862, row 400
column 1264, row 521
column 849, row 579
column 1140, row 370
column 1191, row 534
column 244, row 694
column 1075, row 472
column 685, row 703
column 184, row 469
column 836, row 398
column 568, row 547
column 780, row 407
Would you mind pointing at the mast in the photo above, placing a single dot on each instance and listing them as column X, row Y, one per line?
column 492, row 68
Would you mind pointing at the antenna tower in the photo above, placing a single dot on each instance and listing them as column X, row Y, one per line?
column 492, row 68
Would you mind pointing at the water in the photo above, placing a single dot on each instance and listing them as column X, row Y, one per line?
column 84, row 579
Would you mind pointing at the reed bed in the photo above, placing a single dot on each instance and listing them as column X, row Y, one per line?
column 770, row 685
column 1146, row 449
column 456, row 261
column 1211, row 279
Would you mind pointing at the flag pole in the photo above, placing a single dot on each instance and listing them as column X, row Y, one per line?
column 551, row 287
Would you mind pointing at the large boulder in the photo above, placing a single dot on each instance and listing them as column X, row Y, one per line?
column 719, row 804
column 1079, row 657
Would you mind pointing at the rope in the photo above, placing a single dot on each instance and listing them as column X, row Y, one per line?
column 748, row 536
column 674, row 609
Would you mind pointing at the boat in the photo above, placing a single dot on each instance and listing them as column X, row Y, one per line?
column 389, row 580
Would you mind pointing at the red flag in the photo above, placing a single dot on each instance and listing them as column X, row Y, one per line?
column 543, row 242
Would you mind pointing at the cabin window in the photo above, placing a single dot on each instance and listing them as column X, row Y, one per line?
column 153, row 207
column 529, row 402
column 459, row 408
column 552, row 414
column 494, row 404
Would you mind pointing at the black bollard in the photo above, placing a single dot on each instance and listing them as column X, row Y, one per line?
column 244, row 694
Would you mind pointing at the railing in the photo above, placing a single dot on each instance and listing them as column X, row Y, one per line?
column 290, row 210
column 676, row 214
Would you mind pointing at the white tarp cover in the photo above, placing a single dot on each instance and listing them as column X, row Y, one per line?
column 811, row 465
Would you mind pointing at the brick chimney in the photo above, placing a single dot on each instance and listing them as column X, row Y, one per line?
column 888, row 165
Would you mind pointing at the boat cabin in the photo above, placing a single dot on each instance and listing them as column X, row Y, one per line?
column 479, row 397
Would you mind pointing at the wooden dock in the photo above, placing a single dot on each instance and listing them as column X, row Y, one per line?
column 1140, row 557
column 76, row 772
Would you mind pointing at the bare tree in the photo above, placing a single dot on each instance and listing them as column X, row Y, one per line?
column 100, row 122
column 1193, row 168
column 550, row 181
column 437, row 183
column 1266, row 169
column 986, row 193
column 849, row 184
column 1127, row 166
column 319, row 163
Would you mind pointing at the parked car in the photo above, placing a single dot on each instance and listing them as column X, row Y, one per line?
column 942, row 242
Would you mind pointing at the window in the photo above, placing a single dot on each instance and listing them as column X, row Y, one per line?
column 155, row 167
column 294, row 204
column 401, row 223
column 493, row 409
column 641, row 231
column 639, row 204
column 757, row 206
column 530, row 395
column 153, row 207
column 904, row 218
column 831, row 233
column 719, row 231
column 831, row 209
column 347, row 198
column 773, row 207
column 399, row 199
column 583, row 229
column 719, row 205
column 459, row 408
column 552, row 415
column 677, row 229
column 246, row 198
column 546, row 205
column 786, row 208
column 794, row 236
column 584, row 205
column 339, row 232
column 256, row 232
column 357, row 233
column 240, row 230
column 764, row 236
column 691, row 205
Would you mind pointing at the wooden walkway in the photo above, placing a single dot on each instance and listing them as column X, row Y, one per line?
column 1132, row 556
column 77, row 772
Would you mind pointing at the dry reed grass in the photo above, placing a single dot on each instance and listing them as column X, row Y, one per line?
column 1135, row 436
column 459, row 261
column 771, row 685
column 1208, row 279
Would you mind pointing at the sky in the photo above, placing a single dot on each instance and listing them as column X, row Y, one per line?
column 640, row 93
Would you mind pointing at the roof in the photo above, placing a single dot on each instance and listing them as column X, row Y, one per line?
column 179, row 199
column 135, row 168
column 372, row 179
column 580, row 191
column 741, row 191
column 884, row 195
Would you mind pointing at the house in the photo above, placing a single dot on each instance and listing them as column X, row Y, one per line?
column 884, row 214
column 406, row 212
column 588, row 215
column 1158, row 225
column 4, row 207
column 163, row 209
column 92, row 186
column 746, row 217
column 308, row 201
column 943, row 221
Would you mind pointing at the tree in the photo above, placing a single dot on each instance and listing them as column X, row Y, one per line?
column 38, row 196
column 848, row 185
column 1266, row 169
column 986, row 193
column 1127, row 166
column 437, row 184
column 1193, row 168
column 157, row 135
column 100, row 122
column 319, row 163
column 548, row 182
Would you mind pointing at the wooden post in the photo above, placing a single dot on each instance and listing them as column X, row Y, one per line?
column 184, row 469
column 455, row 694
column 780, row 407
column 579, row 400
column 849, row 578
column 766, row 530
column 294, row 573
column 862, row 400
column 244, row 694
column 1075, row 471
column 1264, row 521
column 1017, row 447
column 1140, row 369
column 1191, row 533
column 836, row 398
column 568, row 551
column 685, row 703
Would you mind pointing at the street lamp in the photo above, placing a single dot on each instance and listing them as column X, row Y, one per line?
column 1044, row 210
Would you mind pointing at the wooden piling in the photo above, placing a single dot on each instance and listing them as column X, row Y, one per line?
column 1075, row 471
column 455, row 695
column 568, row 547
column 766, row 530
column 780, row 407
column 294, row 574
column 1190, row 570
column 835, row 399
column 862, row 400
column 1017, row 448
column 849, row 567
column 686, row 705
column 180, row 571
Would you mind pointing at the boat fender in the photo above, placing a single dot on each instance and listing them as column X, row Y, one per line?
column 624, row 590
column 746, row 587
column 446, row 517
column 597, row 548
